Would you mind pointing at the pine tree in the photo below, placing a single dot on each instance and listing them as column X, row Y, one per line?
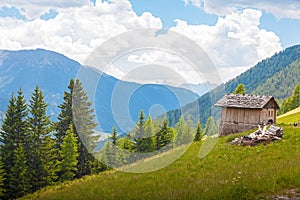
column 42, row 168
column 164, row 136
column 2, row 175
column 69, row 155
column 65, row 117
column 76, row 111
column 139, row 132
column 240, row 89
column 84, row 125
column 19, row 184
column 184, row 132
column 149, row 140
column 14, row 139
column 199, row 133
column 114, row 136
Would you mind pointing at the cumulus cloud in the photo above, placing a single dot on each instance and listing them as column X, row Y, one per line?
column 75, row 31
column 235, row 41
column 279, row 8
column 35, row 8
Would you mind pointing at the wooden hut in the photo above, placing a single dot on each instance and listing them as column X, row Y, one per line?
column 245, row 112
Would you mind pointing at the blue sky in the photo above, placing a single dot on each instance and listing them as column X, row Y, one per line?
column 236, row 34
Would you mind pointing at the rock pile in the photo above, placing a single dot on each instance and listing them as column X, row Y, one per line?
column 260, row 136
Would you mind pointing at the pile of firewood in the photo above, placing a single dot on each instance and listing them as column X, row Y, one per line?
column 260, row 136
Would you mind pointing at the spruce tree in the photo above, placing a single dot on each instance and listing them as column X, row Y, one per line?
column 18, row 177
column 2, row 175
column 42, row 154
column 240, row 89
column 164, row 136
column 76, row 111
column 139, row 133
column 69, row 155
column 65, row 117
column 84, row 121
column 15, row 146
column 114, row 136
column 199, row 132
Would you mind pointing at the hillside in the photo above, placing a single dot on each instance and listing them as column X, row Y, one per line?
column 52, row 72
column 228, row 172
column 276, row 76
column 282, row 83
column 290, row 117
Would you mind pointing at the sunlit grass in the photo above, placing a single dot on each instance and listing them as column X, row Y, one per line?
column 290, row 117
column 227, row 172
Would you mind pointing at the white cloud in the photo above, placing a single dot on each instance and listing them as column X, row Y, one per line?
column 33, row 9
column 279, row 8
column 75, row 31
column 235, row 41
column 196, row 3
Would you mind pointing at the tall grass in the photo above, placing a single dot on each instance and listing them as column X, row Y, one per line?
column 228, row 172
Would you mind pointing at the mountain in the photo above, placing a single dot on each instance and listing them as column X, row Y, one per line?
column 200, row 89
column 276, row 76
column 52, row 72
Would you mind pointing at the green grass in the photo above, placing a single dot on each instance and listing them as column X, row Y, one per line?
column 289, row 117
column 228, row 172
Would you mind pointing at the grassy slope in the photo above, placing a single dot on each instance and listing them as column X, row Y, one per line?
column 289, row 117
column 228, row 172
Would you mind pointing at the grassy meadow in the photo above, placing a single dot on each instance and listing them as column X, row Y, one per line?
column 227, row 172
column 290, row 117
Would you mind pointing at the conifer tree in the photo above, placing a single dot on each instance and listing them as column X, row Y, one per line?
column 76, row 111
column 69, row 155
column 42, row 156
column 84, row 125
column 18, row 179
column 65, row 117
column 2, row 175
column 164, row 136
column 14, row 139
column 149, row 140
column 139, row 133
column 240, row 89
column 114, row 136
column 199, row 132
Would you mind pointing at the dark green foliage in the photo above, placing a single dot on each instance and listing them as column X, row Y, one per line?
column 251, row 79
column 65, row 116
column 15, row 143
column 114, row 136
column 41, row 157
column 76, row 111
column 2, row 175
column 240, row 89
column 292, row 102
column 164, row 136
column 199, row 132
column 69, row 155
column 18, row 176
column 282, row 83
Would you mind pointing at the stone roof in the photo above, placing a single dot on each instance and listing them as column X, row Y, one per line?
column 245, row 101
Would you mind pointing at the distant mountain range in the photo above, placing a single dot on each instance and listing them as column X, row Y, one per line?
column 200, row 89
column 52, row 72
column 276, row 76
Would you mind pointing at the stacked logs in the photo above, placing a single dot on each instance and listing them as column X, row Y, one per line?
column 260, row 136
